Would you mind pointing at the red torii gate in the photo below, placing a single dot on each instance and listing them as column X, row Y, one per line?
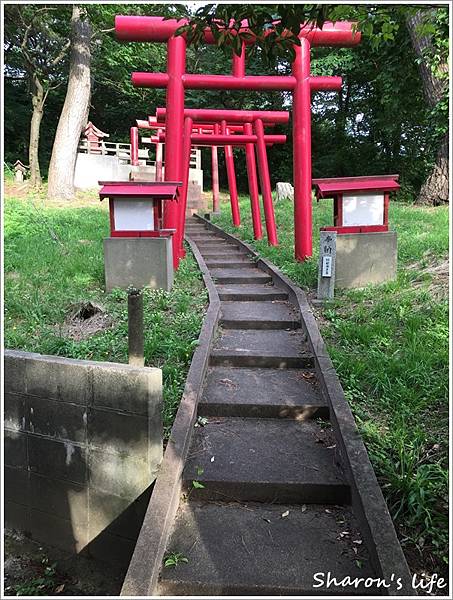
column 260, row 119
column 238, row 121
column 300, row 83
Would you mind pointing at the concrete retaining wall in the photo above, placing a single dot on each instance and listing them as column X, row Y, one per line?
column 91, row 168
column 83, row 443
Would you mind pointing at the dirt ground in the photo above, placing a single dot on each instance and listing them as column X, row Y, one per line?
column 32, row 569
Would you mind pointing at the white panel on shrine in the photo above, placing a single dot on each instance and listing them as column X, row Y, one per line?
column 363, row 209
column 133, row 215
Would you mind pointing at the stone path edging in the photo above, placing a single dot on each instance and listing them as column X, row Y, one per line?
column 146, row 562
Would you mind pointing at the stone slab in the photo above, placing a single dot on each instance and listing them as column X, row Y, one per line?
column 41, row 418
column 63, row 499
column 138, row 262
column 365, row 258
column 57, row 378
column 119, row 433
column 260, row 348
column 251, row 292
column 62, row 533
column 244, row 275
column 120, row 474
column 62, row 460
column 227, row 252
column 15, row 449
column 251, row 550
column 240, row 392
column 259, row 315
column 236, row 262
column 16, row 485
column 14, row 411
column 208, row 239
column 265, row 460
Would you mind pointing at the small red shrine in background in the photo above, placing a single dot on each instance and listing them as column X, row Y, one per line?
column 93, row 137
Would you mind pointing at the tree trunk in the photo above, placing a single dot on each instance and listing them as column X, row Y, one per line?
column 434, row 190
column 75, row 110
column 38, row 99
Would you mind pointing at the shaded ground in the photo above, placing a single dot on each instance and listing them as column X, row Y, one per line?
column 32, row 569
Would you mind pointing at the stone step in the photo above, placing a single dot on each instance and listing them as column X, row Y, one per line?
column 245, row 275
column 237, row 262
column 254, row 348
column 259, row 315
column 264, row 393
column 251, row 293
column 218, row 248
column 229, row 253
column 265, row 460
column 251, row 550
column 207, row 239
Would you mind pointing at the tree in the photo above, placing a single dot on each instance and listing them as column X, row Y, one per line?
column 35, row 48
column 89, row 24
column 432, row 51
column 74, row 114
column 276, row 26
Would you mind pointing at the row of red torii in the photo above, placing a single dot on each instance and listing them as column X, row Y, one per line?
column 229, row 135
column 179, row 122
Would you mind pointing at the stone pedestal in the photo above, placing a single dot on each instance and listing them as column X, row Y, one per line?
column 196, row 203
column 365, row 258
column 138, row 262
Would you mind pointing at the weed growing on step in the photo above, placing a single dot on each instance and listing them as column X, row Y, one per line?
column 389, row 345
column 46, row 277
column 173, row 559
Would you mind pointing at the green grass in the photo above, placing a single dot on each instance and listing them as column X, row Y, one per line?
column 53, row 261
column 389, row 345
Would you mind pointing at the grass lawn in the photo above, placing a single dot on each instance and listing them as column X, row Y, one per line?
column 53, row 262
column 390, row 344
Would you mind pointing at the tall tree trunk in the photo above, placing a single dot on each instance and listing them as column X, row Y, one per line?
column 75, row 109
column 38, row 98
column 435, row 188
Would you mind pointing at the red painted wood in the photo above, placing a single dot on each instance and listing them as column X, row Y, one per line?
column 126, row 189
column 327, row 187
column 157, row 29
column 357, row 229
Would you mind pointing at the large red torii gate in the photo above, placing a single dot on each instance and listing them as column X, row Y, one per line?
column 300, row 83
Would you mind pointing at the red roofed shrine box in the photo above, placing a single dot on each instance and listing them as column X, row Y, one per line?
column 365, row 248
column 139, row 251
column 136, row 207
column 360, row 203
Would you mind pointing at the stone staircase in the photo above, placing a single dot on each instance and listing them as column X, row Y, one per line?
column 270, row 506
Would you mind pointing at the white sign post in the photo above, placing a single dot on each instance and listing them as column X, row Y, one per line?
column 326, row 272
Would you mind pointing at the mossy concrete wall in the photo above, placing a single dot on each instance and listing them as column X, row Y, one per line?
column 83, row 443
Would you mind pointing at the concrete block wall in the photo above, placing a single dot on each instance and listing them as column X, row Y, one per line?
column 83, row 443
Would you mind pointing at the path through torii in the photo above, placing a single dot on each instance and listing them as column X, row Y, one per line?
column 300, row 83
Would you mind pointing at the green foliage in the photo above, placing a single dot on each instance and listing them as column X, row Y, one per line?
column 379, row 123
column 389, row 345
column 173, row 559
column 42, row 585
column 53, row 262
